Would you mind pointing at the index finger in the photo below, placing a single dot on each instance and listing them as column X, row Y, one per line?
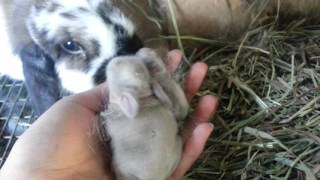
column 195, row 77
column 173, row 60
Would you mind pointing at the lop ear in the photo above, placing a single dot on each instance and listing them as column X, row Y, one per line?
column 161, row 95
column 153, row 62
column 129, row 104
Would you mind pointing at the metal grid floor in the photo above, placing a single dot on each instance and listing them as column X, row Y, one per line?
column 15, row 114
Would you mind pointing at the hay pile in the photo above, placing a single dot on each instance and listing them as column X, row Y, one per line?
column 268, row 82
column 268, row 123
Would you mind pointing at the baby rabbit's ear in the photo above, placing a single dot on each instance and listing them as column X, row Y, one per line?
column 161, row 95
column 129, row 104
column 153, row 62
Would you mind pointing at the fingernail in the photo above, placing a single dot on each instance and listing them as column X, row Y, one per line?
column 211, row 125
column 177, row 52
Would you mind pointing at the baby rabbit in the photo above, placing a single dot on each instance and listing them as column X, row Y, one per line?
column 143, row 129
column 177, row 100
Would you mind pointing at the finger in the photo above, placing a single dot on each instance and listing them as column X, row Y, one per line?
column 194, row 79
column 94, row 99
column 192, row 149
column 173, row 60
column 203, row 113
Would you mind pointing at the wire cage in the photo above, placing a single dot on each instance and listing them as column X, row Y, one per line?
column 16, row 114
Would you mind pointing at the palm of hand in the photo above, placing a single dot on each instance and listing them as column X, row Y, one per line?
column 63, row 143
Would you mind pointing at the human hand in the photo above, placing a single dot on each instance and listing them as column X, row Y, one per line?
column 63, row 143
column 197, row 129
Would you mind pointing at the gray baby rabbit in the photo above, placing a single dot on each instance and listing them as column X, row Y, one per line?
column 143, row 129
column 177, row 100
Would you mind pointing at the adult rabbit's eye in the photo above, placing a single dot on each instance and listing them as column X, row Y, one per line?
column 71, row 47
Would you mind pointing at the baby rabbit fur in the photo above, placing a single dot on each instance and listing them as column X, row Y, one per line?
column 141, row 117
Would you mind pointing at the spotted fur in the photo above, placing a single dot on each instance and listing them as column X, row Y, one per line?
column 103, row 33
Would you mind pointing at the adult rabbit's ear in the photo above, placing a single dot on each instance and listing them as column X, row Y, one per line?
column 161, row 95
column 129, row 104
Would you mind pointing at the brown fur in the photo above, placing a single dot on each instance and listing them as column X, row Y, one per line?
column 208, row 18
column 230, row 18
column 309, row 9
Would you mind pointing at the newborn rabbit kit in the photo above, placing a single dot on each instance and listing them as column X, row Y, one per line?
column 141, row 117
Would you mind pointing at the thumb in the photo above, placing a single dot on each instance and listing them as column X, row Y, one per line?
column 94, row 99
